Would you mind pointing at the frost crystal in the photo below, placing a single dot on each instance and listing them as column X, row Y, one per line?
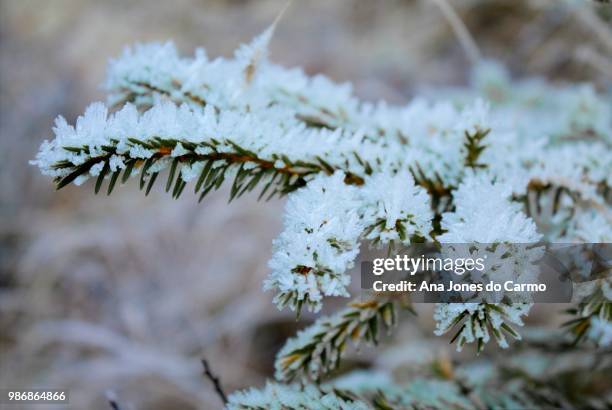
column 395, row 209
column 492, row 220
column 318, row 244
column 324, row 223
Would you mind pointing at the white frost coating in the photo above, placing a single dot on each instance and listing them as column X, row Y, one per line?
column 324, row 223
column 178, row 150
column 600, row 332
column 190, row 172
column 395, row 208
column 313, row 351
column 475, row 118
column 155, row 66
column 590, row 226
column 280, row 397
column 361, row 380
column 538, row 116
column 485, row 213
column 538, row 134
column 319, row 243
column 304, row 338
column 96, row 129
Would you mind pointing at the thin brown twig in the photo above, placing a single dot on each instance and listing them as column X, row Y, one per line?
column 461, row 31
column 215, row 380
column 112, row 400
column 114, row 405
column 591, row 21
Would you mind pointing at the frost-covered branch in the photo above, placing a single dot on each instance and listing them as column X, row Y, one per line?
column 483, row 225
column 319, row 348
column 476, row 321
column 531, row 164
column 324, row 224
column 195, row 145
column 280, row 397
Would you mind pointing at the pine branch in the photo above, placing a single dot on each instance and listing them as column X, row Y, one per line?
column 148, row 73
column 215, row 167
column 210, row 160
column 476, row 321
column 137, row 91
column 290, row 397
column 319, row 349
column 143, row 94
column 325, row 223
column 247, row 122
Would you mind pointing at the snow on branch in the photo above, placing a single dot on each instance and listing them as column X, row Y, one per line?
column 195, row 145
column 318, row 349
column 324, row 224
column 531, row 163
column 476, row 321
column 276, row 396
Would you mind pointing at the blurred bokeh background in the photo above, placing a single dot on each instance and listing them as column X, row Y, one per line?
column 126, row 294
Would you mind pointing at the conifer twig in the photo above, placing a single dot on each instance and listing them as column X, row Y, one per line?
column 318, row 349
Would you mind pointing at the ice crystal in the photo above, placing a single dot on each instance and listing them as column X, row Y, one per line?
column 318, row 244
column 494, row 220
column 395, row 208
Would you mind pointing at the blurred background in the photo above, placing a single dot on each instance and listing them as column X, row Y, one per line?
column 124, row 295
